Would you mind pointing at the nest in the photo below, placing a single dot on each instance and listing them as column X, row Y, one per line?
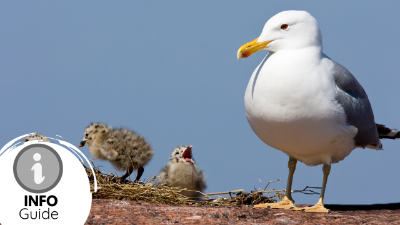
column 109, row 187
column 243, row 198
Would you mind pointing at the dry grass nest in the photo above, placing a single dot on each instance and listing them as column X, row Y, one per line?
column 109, row 187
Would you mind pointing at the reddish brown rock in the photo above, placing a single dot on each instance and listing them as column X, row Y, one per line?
column 130, row 212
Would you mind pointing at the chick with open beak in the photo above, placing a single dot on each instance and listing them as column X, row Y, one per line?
column 187, row 155
column 183, row 172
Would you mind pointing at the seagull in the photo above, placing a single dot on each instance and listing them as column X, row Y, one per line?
column 303, row 103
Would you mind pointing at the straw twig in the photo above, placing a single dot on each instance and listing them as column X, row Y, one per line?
column 109, row 187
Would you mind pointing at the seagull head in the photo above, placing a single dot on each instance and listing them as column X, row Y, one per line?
column 286, row 30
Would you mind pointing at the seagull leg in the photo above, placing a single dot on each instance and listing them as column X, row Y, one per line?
column 287, row 202
column 140, row 172
column 127, row 174
column 319, row 207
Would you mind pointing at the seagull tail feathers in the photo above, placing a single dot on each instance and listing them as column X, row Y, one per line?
column 387, row 133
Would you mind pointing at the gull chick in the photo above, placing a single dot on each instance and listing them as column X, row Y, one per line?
column 36, row 136
column 183, row 172
column 126, row 150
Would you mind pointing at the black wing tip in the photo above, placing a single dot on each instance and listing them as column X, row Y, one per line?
column 387, row 133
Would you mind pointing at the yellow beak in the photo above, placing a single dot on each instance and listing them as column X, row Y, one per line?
column 249, row 48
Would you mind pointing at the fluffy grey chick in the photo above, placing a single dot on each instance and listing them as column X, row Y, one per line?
column 35, row 136
column 183, row 172
column 125, row 150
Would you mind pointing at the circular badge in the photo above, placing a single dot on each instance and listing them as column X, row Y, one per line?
column 38, row 168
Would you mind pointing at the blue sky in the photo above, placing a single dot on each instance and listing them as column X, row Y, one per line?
column 168, row 70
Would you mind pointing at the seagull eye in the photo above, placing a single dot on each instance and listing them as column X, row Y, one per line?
column 284, row 27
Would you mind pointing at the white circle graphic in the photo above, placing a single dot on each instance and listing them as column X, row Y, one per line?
column 69, row 202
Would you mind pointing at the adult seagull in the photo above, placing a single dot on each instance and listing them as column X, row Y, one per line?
column 303, row 103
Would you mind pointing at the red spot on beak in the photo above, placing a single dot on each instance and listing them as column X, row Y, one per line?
column 245, row 54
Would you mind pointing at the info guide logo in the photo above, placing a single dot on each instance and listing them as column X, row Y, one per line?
column 43, row 182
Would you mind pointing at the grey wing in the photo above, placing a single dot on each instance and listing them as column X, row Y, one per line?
column 201, row 185
column 352, row 97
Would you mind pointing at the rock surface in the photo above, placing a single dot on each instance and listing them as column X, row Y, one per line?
column 131, row 212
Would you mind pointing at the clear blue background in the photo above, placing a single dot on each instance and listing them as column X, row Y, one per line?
column 168, row 70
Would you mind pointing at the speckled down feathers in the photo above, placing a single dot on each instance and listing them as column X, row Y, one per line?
column 122, row 147
column 179, row 173
column 36, row 136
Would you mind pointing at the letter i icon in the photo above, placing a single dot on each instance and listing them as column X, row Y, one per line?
column 37, row 169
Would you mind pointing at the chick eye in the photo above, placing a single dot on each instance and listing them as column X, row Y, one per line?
column 87, row 135
column 176, row 153
column 284, row 27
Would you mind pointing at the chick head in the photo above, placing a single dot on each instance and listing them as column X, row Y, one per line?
column 94, row 132
column 183, row 154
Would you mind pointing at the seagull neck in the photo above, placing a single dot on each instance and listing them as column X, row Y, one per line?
column 308, row 50
column 312, row 49
column 313, row 52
